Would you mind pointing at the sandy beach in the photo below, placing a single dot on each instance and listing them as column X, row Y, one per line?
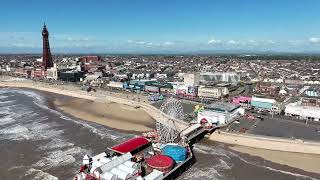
column 306, row 162
column 111, row 114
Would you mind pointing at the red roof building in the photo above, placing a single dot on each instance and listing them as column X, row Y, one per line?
column 90, row 59
column 131, row 145
column 38, row 73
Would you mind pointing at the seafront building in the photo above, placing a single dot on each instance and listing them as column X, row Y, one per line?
column 263, row 103
column 220, row 113
column 303, row 112
column 216, row 77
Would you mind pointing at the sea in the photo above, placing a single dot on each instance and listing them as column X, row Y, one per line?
column 39, row 142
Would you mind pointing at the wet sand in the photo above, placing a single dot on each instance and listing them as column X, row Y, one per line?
column 110, row 114
column 306, row 162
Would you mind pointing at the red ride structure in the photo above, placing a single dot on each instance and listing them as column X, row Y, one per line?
column 160, row 162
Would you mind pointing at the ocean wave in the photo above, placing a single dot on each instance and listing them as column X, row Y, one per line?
column 3, row 97
column 203, row 174
column 15, row 129
column 30, row 131
column 223, row 165
column 212, row 171
column 55, row 143
column 104, row 133
column 15, row 113
column 211, row 150
column 54, row 159
column 31, row 126
column 7, row 102
column 39, row 174
column 6, row 119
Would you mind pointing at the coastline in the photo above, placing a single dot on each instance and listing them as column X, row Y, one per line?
column 273, row 150
column 99, row 96
column 305, row 162
column 110, row 114
column 267, row 142
column 84, row 106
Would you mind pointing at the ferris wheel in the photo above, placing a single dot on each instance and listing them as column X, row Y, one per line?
column 173, row 108
column 168, row 132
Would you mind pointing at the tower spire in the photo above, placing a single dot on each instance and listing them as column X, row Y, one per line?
column 47, row 61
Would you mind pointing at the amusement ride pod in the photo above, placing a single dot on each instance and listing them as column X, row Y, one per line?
column 160, row 162
column 176, row 152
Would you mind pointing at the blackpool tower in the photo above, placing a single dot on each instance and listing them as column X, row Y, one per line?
column 46, row 54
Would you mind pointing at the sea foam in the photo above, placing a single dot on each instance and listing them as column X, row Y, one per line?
column 40, row 175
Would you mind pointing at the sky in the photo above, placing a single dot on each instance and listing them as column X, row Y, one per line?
column 125, row 26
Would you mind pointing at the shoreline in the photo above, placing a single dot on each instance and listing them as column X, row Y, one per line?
column 99, row 96
column 128, row 118
column 267, row 142
column 113, row 115
column 305, row 162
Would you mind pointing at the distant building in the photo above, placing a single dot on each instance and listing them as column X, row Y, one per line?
column 310, row 101
column 217, row 77
column 243, row 101
column 268, row 104
column 38, row 73
column 191, row 79
column 115, row 85
column 137, row 85
column 212, row 92
column 303, row 112
column 312, row 92
column 90, row 59
column 160, row 76
column 220, row 113
column 71, row 76
column 267, row 88
column 294, row 81
column 311, row 97
column 52, row 73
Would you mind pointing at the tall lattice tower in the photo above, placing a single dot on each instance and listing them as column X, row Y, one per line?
column 47, row 61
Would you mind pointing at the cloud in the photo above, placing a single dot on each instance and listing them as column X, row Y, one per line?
column 232, row 42
column 24, row 45
column 314, row 40
column 295, row 42
column 214, row 41
column 138, row 42
column 257, row 42
column 165, row 44
column 270, row 42
column 77, row 39
column 172, row 43
column 168, row 43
